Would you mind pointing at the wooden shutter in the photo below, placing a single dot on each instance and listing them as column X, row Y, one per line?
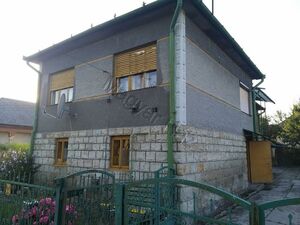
column 136, row 61
column 62, row 80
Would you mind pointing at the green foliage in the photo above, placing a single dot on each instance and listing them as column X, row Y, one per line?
column 14, row 146
column 269, row 129
column 291, row 127
column 16, row 163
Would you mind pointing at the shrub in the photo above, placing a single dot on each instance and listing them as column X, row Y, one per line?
column 43, row 212
column 16, row 163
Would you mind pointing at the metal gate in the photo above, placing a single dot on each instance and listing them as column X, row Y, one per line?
column 85, row 197
column 287, row 217
column 174, row 201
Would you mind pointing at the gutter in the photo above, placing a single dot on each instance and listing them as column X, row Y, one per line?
column 35, row 123
column 254, row 111
column 172, row 108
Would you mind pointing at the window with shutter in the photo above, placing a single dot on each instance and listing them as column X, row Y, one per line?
column 136, row 69
column 61, row 83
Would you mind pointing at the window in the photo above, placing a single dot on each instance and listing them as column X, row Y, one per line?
column 244, row 99
column 55, row 95
column 61, row 151
column 136, row 69
column 61, row 83
column 120, row 152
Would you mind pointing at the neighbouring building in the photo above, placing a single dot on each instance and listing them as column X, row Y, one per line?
column 16, row 121
column 116, row 77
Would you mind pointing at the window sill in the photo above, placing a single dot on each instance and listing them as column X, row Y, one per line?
column 118, row 169
column 60, row 165
column 136, row 90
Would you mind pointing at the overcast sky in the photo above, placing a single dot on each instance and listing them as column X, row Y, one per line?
column 267, row 30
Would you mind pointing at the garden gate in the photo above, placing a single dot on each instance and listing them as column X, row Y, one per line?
column 86, row 197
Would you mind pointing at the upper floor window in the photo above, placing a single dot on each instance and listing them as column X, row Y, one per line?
column 136, row 69
column 61, row 83
column 244, row 98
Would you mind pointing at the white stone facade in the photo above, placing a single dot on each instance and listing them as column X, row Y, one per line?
column 216, row 158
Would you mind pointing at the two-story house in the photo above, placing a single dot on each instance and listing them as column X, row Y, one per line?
column 163, row 84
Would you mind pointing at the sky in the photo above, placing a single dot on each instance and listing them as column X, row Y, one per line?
column 267, row 30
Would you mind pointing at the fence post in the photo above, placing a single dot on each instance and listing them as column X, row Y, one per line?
column 119, row 204
column 157, row 198
column 257, row 215
column 60, row 199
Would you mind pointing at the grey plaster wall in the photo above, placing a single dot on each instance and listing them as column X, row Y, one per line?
column 213, row 86
column 208, row 75
column 207, row 112
column 117, row 112
column 200, row 38
column 90, row 81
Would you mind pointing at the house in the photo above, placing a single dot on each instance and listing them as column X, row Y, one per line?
column 165, row 84
column 16, row 121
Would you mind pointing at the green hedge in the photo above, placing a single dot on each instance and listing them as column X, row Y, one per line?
column 14, row 146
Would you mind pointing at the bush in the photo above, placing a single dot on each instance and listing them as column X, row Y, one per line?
column 16, row 163
column 43, row 212
column 14, row 146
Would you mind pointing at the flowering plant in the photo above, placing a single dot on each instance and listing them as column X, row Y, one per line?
column 43, row 213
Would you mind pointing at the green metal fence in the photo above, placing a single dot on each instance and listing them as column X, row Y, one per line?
column 24, row 203
column 86, row 198
column 286, row 215
column 176, row 201
column 94, row 197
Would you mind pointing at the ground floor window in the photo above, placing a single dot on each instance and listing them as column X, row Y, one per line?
column 119, row 152
column 61, row 151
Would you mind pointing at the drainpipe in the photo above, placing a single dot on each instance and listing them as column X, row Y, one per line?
column 254, row 112
column 35, row 123
column 172, row 108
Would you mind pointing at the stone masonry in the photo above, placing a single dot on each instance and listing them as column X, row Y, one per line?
column 217, row 158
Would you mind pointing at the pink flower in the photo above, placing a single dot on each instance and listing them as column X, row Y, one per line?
column 34, row 211
column 42, row 201
column 14, row 219
column 44, row 219
column 48, row 201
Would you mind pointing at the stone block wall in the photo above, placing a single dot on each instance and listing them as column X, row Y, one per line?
column 216, row 158
column 90, row 149
column 213, row 157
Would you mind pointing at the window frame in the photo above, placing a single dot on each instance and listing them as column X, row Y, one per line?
column 117, row 77
column 119, row 166
column 246, row 89
column 59, row 73
column 63, row 160
column 130, row 80
column 52, row 93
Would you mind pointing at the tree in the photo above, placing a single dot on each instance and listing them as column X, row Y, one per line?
column 273, row 126
column 291, row 127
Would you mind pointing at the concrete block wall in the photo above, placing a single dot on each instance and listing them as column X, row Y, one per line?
column 89, row 149
column 214, row 157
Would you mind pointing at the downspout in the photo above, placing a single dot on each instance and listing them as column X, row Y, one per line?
column 35, row 122
column 172, row 108
column 254, row 112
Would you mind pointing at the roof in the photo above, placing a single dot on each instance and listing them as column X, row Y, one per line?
column 195, row 8
column 16, row 113
column 262, row 96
